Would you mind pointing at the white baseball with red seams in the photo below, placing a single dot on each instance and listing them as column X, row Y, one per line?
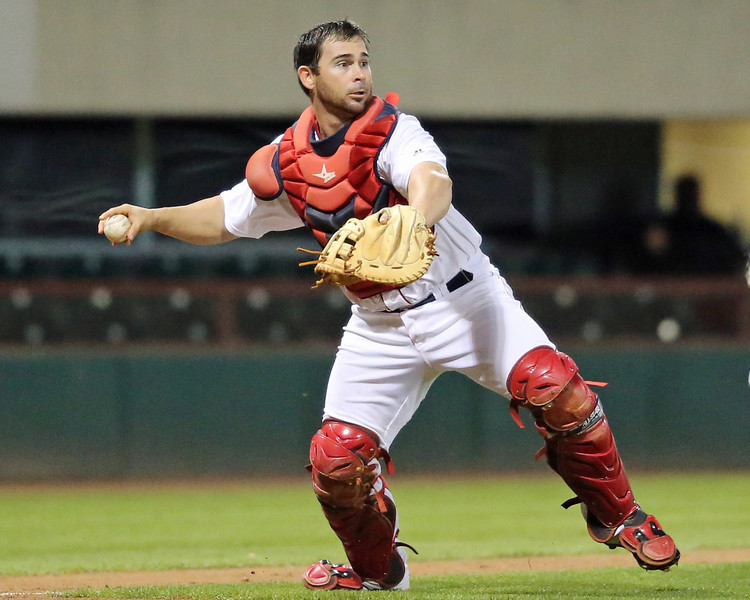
column 116, row 228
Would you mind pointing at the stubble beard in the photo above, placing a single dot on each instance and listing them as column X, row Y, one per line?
column 343, row 107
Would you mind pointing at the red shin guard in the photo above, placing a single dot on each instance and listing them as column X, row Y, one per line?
column 591, row 466
column 353, row 496
column 579, row 443
column 369, row 541
column 581, row 449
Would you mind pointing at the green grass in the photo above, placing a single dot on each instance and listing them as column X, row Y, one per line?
column 99, row 528
column 56, row 530
column 707, row 582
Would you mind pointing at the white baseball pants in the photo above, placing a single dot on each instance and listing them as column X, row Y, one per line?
column 386, row 362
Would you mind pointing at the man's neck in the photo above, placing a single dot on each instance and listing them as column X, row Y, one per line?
column 328, row 124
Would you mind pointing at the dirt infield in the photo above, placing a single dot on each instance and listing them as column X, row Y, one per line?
column 30, row 587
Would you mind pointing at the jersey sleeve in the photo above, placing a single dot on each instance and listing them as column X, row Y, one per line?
column 408, row 145
column 245, row 216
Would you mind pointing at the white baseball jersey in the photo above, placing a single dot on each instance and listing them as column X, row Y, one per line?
column 387, row 361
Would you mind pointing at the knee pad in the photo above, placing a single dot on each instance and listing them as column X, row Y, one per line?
column 547, row 382
column 341, row 461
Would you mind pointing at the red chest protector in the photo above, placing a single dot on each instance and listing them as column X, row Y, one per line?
column 326, row 191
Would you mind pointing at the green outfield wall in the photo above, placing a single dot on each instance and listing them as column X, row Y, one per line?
column 157, row 414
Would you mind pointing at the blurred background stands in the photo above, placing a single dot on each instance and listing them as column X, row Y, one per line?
column 232, row 313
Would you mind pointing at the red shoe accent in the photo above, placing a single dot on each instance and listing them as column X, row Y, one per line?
column 652, row 548
column 324, row 575
column 641, row 535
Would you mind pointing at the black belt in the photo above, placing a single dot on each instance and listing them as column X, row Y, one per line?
column 453, row 284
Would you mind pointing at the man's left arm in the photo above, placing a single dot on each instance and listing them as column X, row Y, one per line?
column 430, row 191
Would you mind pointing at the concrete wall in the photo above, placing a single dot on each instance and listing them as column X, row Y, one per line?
column 494, row 58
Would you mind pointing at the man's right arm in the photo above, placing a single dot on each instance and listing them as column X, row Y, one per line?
column 201, row 222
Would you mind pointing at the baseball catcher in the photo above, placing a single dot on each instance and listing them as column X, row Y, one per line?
column 372, row 186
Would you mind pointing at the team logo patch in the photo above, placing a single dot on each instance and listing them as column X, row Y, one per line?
column 325, row 175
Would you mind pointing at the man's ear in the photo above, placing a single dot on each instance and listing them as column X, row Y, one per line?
column 306, row 77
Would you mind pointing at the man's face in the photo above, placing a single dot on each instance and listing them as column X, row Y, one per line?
column 343, row 85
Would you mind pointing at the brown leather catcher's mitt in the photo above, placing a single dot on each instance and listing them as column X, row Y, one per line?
column 393, row 246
